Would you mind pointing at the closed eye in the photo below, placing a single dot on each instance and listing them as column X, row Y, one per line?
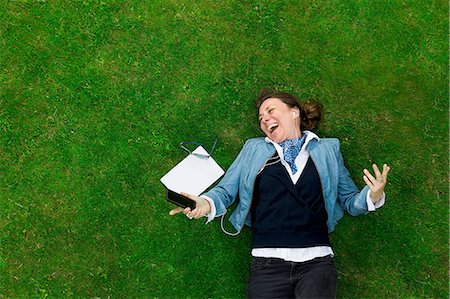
column 269, row 110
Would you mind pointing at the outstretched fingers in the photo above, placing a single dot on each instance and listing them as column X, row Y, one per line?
column 369, row 178
column 386, row 169
column 379, row 179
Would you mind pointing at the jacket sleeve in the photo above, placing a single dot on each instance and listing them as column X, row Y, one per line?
column 349, row 196
column 225, row 193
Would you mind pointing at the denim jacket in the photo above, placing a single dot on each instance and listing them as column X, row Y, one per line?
column 339, row 190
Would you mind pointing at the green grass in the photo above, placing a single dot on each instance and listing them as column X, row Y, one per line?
column 95, row 97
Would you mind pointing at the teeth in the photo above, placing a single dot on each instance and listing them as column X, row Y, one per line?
column 272, row 127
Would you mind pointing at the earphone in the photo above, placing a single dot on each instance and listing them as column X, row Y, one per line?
column 294, row 114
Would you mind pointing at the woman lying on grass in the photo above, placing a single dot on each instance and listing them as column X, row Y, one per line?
column 293, row 188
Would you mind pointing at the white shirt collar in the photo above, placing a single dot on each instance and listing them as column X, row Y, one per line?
column 300, row 160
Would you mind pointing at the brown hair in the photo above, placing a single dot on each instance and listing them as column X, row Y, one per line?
column 311, row 112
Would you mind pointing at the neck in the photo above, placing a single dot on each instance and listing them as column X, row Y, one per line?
column 296, row 135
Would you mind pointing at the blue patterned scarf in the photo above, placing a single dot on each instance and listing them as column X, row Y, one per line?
column 291, row 149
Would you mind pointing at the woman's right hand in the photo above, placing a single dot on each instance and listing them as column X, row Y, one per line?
column 202, row 207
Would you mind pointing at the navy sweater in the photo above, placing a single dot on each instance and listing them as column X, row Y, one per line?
column 285, row 215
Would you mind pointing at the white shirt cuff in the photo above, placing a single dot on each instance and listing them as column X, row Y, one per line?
column 371, row 206
column 212, row 213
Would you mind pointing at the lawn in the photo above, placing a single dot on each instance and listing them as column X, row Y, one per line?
column 95, row 97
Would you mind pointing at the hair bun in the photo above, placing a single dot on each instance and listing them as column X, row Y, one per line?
column 311, row 114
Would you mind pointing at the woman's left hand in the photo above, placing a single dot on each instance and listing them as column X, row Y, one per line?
column 377, row 183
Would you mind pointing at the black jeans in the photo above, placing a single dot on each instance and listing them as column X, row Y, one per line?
column 276, row 278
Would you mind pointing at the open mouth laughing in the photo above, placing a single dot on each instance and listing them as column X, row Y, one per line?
column 271, row 128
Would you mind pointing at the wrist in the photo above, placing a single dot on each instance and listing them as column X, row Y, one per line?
column 207, row 206
column 375, row 198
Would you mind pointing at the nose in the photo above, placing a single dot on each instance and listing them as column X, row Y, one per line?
column 264, row 117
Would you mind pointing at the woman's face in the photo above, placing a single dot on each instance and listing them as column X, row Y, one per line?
column 279, row 121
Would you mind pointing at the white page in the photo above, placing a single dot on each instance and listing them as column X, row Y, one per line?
column 194, row 174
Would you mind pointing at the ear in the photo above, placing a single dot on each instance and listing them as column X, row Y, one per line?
column 295, row 112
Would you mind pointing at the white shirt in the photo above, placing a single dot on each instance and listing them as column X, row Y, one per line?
column 296, row 254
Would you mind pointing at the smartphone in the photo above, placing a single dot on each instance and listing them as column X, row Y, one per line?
column 180, row 200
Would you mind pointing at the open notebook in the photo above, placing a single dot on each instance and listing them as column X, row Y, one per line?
column 193, row 175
